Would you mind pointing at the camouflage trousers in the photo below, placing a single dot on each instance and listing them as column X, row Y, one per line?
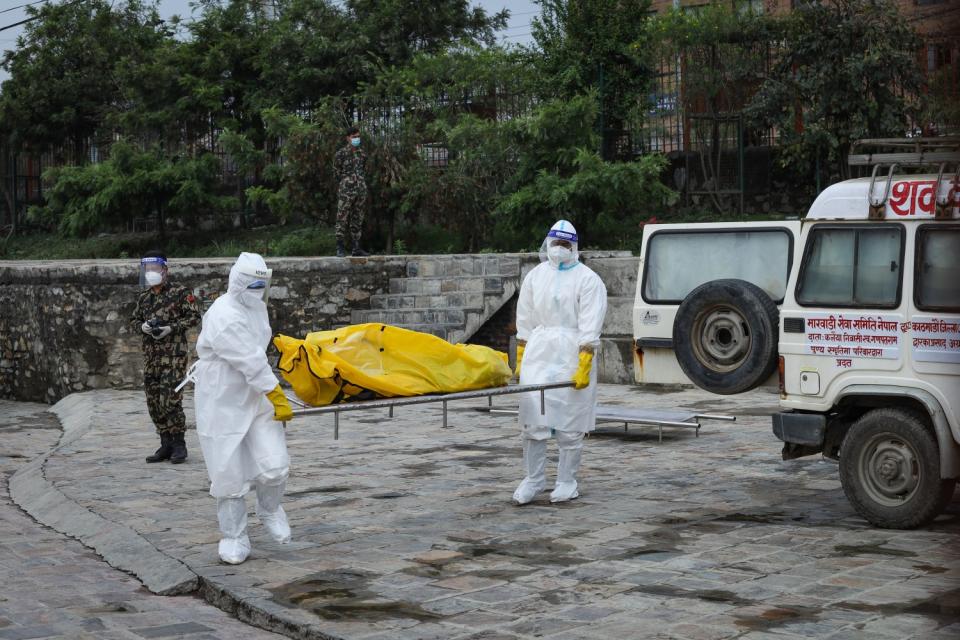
column 350, row 211
column 161, row 375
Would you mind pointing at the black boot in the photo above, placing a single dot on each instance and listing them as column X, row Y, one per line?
column 341, row 250
column 165, row 450
column 179, row 449
column 357, row 251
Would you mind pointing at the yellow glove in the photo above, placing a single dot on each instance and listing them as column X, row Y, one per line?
column 281, row 406
column 519, row 358
column 581, row 379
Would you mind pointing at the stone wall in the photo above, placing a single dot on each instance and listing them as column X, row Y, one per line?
column 500, row 328
column 63, row 325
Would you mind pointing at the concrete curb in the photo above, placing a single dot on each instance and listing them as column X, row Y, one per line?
column 120, row 546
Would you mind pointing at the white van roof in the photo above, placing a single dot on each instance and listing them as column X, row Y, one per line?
column 910, row 197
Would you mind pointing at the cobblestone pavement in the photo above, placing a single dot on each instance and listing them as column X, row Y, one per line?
column 405, row 530
column 54, row 587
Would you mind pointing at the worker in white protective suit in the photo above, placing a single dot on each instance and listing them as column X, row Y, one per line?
column 559, row 317
column 241, row 408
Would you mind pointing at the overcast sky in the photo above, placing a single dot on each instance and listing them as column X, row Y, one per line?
column 517, row 31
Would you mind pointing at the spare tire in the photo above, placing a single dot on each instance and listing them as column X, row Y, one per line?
column 725, row 336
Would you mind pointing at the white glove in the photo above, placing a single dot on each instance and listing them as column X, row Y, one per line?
column 146, row 328
column 162, row 332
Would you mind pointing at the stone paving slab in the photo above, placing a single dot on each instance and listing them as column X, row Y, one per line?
column 120, row 546
column 54, row 587
column 402, row 529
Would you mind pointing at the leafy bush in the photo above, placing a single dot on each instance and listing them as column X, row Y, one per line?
column 88, row 198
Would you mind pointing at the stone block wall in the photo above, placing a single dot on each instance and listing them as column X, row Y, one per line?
column 64, row 325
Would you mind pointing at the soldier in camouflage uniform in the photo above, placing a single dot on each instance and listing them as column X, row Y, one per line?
column 164, row 313
column 348, row 167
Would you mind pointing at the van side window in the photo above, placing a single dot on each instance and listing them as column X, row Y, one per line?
column 677, row 262
column 852, row 267
column 937, row 275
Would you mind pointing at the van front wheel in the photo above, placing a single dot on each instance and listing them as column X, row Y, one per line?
column 890, row 470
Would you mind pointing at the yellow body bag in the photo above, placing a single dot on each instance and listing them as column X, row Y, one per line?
column 367, row 361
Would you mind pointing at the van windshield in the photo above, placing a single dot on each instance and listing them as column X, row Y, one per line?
column 679, row 261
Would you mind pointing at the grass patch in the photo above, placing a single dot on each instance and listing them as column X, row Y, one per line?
column 268, row 241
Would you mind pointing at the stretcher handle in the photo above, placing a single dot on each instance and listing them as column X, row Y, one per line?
column 386, row 403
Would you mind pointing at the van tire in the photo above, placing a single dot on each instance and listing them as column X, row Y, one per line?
column 725, row 336
column 878, row 449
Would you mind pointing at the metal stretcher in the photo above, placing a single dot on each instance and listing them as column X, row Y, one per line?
column 391, row 403
column 659, row 418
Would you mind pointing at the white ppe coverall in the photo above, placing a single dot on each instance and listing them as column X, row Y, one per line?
column 560, row 310
column 240, row 440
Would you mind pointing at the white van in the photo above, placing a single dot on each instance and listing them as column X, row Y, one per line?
column 854, row 313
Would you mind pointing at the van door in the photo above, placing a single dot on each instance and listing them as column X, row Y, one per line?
column 933, row 331
column 847, row 313
column 677, row 258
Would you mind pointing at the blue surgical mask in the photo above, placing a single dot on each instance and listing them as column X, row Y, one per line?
column 355, row 142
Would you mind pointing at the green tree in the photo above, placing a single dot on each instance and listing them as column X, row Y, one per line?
column 303, row 187
column 312, row 49
column 397, row 30
column 847, row 70
column 461, row 77
column 460, row 197
column 242, row 62
column 156, row 105
column 506, row 180
column 221, row 75
column 942, row 110
column 592, row 45
column 62, row 83
column 560, row 174
column 724, row 54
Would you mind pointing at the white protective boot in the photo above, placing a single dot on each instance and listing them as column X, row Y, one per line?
column 269, row 510
column 535, row 462
column 234, row 545
column 571, row 446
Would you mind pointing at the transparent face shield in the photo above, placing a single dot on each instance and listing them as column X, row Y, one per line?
column 259, row 288
column 153, row 271
column 560, row 249
column 255, row 282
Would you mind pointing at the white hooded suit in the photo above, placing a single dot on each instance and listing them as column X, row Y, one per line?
column 560, row 310
column 240, row 440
